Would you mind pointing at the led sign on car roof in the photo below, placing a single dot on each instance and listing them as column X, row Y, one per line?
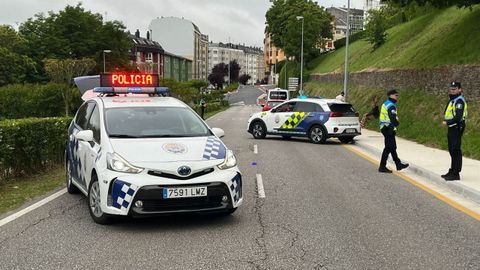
column 128, row 80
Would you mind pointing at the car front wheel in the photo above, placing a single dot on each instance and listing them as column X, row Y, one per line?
column 259, row 130
column 94, row 203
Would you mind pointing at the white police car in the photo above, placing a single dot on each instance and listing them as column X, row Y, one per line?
column 143, row 155
column 315, row 118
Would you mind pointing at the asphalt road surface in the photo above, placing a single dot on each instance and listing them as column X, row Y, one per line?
column 324, row 208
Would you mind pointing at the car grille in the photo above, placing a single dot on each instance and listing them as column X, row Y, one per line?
column 153, row 202
column 176, row 177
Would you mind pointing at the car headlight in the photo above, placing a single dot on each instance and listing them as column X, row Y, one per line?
column 116, row 163
column 230, row 161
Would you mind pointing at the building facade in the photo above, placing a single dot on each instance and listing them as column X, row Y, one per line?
column 148, row 56
column 272, row 55
column 183, row 38
column 374, row 4
column 340, row 21
column 246, row 57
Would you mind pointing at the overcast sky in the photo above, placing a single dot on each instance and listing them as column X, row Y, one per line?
column 241, row 20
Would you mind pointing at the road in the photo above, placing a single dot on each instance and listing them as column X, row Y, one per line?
column 324, row 208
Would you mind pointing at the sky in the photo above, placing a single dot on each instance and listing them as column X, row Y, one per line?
column 243, row 21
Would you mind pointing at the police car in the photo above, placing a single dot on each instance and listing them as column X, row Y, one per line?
column 142, row 154
column 315, row 118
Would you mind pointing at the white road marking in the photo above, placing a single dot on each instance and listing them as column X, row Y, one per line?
column 32, row 207
column 255, row 149
column 261, row 190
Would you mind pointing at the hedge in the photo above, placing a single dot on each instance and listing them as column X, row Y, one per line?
column 30, row 145
column 213, row 106
column 35, row 100
column 339, row 43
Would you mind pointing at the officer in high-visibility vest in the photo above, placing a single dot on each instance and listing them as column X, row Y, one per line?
column 455, row 116
column 388, row 126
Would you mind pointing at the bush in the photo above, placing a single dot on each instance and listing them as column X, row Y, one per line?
column 213, row 106
column 34, row 100
column 353, row 37
column 231, row 87
column 30, row 145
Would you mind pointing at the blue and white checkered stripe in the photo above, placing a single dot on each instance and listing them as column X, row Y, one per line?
column 122, row 194
column 236, row 187
column 214, row 149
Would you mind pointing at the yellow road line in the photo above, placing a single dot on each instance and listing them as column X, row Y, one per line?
column 439, row 196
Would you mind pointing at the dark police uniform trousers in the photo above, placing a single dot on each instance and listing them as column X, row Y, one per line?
column 390, row 146
column 454, row 146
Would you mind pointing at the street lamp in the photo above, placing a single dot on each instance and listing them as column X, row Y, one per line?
column 345, row 76
column 301, row 59
column 105, row 51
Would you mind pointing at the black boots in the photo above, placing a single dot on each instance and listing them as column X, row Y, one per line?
column 451, row 176
column 401, row 166
column 384, row 170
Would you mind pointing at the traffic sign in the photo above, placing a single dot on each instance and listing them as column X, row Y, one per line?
column 292, row 84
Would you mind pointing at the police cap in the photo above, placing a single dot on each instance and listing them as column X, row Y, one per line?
column 455, row 84
column 392, row 92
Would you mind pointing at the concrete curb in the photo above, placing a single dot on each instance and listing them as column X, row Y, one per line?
column 454, row 186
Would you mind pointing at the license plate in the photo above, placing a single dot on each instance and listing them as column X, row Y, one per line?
column 350, row 130
column 184, row 192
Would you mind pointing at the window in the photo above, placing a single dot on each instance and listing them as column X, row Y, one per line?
column 83, row 113
column 305, row 107
column 94, row 124
column 149, row 57
column 138, row 122
column 287, row 107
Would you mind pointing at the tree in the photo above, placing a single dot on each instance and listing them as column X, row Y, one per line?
column 244, row 79
column 217, row 77
column 74, row 33
column 286, row 30
column 375, row 28
column 234, row 71
column 63, row 71
column 14, row 65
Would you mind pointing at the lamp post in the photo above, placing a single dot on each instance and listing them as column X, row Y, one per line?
column 301, row 59
column 104, row 52
column 345, row 75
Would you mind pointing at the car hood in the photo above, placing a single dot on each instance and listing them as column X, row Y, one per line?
column 150, row 151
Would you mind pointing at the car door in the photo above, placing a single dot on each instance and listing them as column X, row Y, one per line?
column 92, row 149
column 305, row 113
column 279, row 116
column 79, row 148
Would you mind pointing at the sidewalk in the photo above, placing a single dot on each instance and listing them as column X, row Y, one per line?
column 427, row 162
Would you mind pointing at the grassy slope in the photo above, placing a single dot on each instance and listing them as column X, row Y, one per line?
column 420, row 114
column 443, row 37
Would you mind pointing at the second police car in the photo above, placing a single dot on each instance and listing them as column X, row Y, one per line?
column 147, row 155
column 315, row 118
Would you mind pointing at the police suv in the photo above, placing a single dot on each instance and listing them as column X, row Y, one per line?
column 133, row 152
column 315, row 118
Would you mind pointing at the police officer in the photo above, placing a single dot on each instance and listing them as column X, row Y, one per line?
column 388, row 126
column 455, row 116
column 203, row 104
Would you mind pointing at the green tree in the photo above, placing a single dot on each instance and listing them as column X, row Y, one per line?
column 63, row 72
column 286, row 30
column 14, row 65
column 244, row 79
column 75, row 33
column 375, row 28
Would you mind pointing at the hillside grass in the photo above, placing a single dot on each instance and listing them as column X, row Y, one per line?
column 443, row 37
column 420, row 114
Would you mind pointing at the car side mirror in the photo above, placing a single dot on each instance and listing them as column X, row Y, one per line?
column 218, row 132
column 85, row 135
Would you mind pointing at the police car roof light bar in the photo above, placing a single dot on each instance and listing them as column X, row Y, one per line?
column 132, row 90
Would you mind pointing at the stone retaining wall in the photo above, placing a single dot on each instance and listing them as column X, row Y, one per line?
column 431, row 80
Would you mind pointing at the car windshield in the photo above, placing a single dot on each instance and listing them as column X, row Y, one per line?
column 153, row 122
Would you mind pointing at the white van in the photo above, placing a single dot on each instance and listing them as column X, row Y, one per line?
column 278, row 94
